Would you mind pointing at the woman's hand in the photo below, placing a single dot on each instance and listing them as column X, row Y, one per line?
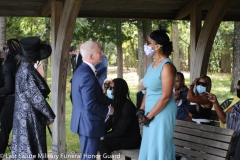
column 195, row 81
column 49, row 122
column 211, row 97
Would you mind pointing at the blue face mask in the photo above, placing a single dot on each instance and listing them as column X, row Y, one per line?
column 200, row 89
column 148, row 50
column 109, row 94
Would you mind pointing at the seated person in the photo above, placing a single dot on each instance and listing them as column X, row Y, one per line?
column 122, row 128
column 106, row 84
column 230, row 117
column 180, row 96
column 200, row 106
column 140, row 94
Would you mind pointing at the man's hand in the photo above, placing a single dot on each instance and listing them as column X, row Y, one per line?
column 177, row 95
column 111, row 110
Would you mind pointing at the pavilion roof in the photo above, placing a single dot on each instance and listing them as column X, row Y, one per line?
column 143, row 9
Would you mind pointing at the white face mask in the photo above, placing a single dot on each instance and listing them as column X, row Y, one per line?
column 148, row 50
column 143, row 91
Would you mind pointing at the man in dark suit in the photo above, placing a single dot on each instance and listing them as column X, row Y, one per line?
column 89, row 111
column 76, row 58
column 140, row 94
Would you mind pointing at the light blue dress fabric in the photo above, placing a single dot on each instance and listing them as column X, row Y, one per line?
column 157, row 141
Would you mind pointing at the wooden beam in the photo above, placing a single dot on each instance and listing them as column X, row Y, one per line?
column 46, row 9
column 56, row 12
column 206, row 37
column 125, row 15
column 59, row 63
column 185, row 11
column 195, row 28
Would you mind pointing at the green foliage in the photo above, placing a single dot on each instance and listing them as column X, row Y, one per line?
column 20, row 27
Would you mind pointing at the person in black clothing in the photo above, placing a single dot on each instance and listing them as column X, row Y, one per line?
column 76, row 58
column 200, row 106
column 7, row 93
column 122, row 128
column 140, row 94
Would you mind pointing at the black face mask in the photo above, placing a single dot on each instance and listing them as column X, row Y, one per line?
column 238, row 93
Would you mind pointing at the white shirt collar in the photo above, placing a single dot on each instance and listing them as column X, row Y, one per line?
column 91, row 66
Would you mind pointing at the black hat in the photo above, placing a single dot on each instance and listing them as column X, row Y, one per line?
column 14, row 46
column 33, row 50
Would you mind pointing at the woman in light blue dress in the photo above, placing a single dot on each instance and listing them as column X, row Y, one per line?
column 158, row 110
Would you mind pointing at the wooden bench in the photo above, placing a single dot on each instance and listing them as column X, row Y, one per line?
column 196, row 141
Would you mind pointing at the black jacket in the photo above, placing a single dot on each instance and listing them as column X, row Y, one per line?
column 76, row 62
column 126, row 126
column 9, row 71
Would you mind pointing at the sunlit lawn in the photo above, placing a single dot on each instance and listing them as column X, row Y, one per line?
column 220, row 86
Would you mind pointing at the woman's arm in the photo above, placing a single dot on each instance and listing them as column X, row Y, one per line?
column 191, row 97
column 168, row 79
column 221, row 115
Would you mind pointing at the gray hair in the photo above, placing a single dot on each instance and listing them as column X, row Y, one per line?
column 86, row 49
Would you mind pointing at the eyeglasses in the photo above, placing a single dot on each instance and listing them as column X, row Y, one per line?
column 202, row 84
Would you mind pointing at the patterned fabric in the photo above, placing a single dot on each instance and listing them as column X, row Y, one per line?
column 233, row 122
column 30, row 114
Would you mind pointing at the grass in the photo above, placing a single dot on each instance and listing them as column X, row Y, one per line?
column 220, row 86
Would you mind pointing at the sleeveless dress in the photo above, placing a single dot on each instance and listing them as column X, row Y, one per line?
column 157, row 141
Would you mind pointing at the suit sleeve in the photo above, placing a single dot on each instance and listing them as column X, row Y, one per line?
column 91, row 96
column 101, row 67
column 127, row 117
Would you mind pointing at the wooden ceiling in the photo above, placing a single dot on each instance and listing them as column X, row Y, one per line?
column 143, row 9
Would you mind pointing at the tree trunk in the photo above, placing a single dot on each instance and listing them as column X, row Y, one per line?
column 226, row 62
column 147, row 29
column 119, row 50
column 175, row 41
column 236, row 57
column 2, row 32
column 144, row 28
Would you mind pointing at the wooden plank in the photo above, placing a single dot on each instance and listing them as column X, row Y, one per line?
column 185, row 10
column 205, row 128
column 46, row 9
column 203, row 141
column 197, row 154
column 203, row 134
column 199, row 147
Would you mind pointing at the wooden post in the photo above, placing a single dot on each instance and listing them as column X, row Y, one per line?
column 62, row 29
column 206, row 38
column 195, row 28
